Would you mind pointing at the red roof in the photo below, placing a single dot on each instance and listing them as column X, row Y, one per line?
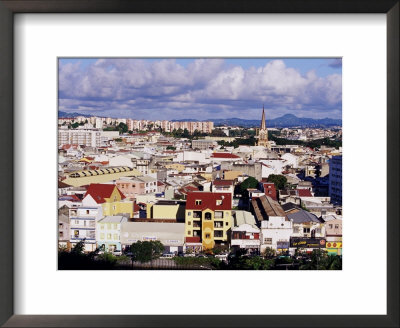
column 100, row 191
column 159, row 183
column 136, row 207
column 193, row 239
column 222, row 182
column 208, row 200
column 68, row 146
column 304, row 193
column 224, row 155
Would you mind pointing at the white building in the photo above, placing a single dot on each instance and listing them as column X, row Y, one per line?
column 108, row 233
column 275, row 233
column 150, row 184
column 86, row 137
column 245, row 233
column 82, row 224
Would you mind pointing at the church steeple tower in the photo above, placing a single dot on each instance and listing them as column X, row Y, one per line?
column 263, row 132
column 263, row 127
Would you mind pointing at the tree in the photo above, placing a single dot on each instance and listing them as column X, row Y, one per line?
column 250, row 182
column 122, row 127
column 147, row 250
column 218, row 133
column 280, row 181
column 171, row 148
column 269, row 253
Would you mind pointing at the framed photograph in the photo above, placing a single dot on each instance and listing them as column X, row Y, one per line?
column 191, row 164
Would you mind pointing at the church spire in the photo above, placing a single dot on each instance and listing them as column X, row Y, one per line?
column 263, row 127
column 263, row 132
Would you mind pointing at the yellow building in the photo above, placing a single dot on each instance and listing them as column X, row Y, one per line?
column 208, row 218
column 175, row 166
column 112, row 200
column 167, row 210
column 232, row 175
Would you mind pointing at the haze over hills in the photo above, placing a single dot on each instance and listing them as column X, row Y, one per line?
column 285, row 121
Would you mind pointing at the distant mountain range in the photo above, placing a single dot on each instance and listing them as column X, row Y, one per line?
column 285, row 121
column 62, row 114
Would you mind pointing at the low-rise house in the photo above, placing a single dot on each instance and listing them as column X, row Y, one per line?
column 110, row 198
column 308, row 232
column 108, row 233
column 269, row 189
column 171, row 235
column 224, row 186
column 334, row 236
column 82, row 223
column 166, row 210
column 131, row 187
column 63, row 232
column 150, row 184
column 245, row 234
column 276, row 228
column 275, row 233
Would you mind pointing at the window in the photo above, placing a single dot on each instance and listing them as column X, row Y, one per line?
column 108, row 236
column 87, row 211
column 198, row 202
column 114, row 207
column 115, row 226
column 268, row 241
column 189, row 223
column 76, row 233
column 330, row 226
column 226, row 223
column 219, row 201
column 76, row 221
column 189, row 213
column 115, row 236
column 336, row 226
column 102, row 236
column 218, row 234
column 306, row 230
column 207, row 216
column 189, row 232
column 219, row 215
column 208, row 236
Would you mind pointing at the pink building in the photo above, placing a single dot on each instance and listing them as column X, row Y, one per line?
column 131, row 187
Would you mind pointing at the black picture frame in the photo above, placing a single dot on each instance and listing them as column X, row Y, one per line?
column 10, row 7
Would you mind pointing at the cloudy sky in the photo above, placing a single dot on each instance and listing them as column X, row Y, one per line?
column 201, row 88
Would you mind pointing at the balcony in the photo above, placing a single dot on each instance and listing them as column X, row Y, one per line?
column 197, row 215
column 218, row 224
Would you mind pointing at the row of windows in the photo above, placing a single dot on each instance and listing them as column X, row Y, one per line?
column 114, row 237
column 217, row 224
column 109, row 226
column 217, row 234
